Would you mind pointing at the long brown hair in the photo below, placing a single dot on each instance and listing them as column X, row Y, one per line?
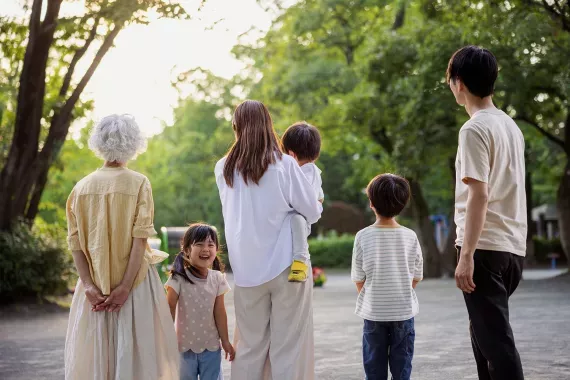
column 256, row 146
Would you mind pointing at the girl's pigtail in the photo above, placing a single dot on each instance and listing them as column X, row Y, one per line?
column 218, row 264
column 178, row 267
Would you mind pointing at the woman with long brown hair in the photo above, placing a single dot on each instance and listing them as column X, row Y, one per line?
column 260, row 188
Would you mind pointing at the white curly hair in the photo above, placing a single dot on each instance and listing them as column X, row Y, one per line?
column 117, row 138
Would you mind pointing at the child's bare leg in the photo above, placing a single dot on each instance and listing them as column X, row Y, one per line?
column 301, row 256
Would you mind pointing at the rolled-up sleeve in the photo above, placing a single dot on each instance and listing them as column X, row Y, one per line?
column 302, row 196
column 72, row 230
column 144, row 215
column 474, row 155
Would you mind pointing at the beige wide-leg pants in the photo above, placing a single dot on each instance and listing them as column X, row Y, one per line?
column 274, row 331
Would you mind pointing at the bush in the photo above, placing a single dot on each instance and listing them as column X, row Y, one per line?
column 332, row 251
column 544, row 247
column 33, row 263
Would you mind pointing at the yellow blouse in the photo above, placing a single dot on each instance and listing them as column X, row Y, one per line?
column 105, row 211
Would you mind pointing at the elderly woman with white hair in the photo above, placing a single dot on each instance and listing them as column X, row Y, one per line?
column 119, row 327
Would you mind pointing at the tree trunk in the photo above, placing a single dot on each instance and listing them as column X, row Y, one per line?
column 449, row 251
column 432, row 256
column 24, row 175
column 15, row 182
column 563, row 207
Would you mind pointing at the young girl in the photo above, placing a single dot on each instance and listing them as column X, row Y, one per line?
column 196, row 298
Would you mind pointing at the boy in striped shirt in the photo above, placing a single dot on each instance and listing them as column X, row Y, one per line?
column 387, row 265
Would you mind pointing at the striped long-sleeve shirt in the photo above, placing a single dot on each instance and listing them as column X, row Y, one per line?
column 387, row 260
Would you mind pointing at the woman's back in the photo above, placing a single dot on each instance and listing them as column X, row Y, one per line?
column 258, row 233
column 111, row 206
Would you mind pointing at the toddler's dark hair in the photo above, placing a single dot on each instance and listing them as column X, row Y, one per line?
column 196, row 233
column 303, row 139
column 389, row 194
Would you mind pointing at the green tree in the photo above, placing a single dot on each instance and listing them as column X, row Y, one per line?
column 48, row 97
column 346, row 66
column 180, row 165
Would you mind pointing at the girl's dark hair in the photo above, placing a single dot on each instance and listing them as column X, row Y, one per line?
column 196, row 233
column 256, row 146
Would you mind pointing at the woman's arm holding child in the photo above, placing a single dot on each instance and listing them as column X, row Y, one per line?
column 222, row 324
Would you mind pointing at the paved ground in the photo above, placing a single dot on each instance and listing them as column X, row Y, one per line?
column 32, row 348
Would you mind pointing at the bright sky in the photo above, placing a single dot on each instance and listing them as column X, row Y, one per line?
column 135, row 77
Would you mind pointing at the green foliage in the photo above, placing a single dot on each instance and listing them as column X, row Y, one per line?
column 332, row 251
column 33, row 263
column 545, row 247
column 180, row 165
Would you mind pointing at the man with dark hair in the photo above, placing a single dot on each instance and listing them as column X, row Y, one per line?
column 490, row 213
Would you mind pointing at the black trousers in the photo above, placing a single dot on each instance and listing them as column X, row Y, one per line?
column 496, row 276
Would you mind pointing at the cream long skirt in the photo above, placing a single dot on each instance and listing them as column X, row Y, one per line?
column 136, row 343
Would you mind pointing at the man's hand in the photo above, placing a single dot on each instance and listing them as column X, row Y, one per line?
column 94, row 295
column 116, row 299
column 229, row 349
column 464, row 273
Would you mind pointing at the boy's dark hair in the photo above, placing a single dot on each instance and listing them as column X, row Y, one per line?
column 389, row 194
column 196, row 233
column 303, row 139
column 476, row 67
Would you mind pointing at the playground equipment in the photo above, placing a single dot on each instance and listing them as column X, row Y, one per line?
column 170, row 238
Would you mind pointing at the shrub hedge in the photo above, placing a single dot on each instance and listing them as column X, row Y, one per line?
column 33, row 263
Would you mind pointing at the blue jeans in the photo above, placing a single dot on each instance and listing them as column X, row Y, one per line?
column 207, row 365
column 386, row 343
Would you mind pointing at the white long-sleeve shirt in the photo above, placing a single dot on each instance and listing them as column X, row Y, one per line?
column 257, row 219
column 313, row 174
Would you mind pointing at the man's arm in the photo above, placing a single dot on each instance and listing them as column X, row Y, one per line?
column 476, row 211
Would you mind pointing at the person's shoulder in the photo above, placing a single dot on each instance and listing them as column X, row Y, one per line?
column 85, row 182
column 475, row 124
column 366, row 231
column 217, row 276
column 311, row 168
column 287, row 160
column 135, row 175
column 220, row 164
column 408, row 232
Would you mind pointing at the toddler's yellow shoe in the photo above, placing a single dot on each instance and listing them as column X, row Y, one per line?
column 299, row 272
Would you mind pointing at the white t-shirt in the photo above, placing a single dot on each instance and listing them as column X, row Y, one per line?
column 491, row 150
column 257, row 219
column 195, row 324
column 313, row 174
column 387, row 260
